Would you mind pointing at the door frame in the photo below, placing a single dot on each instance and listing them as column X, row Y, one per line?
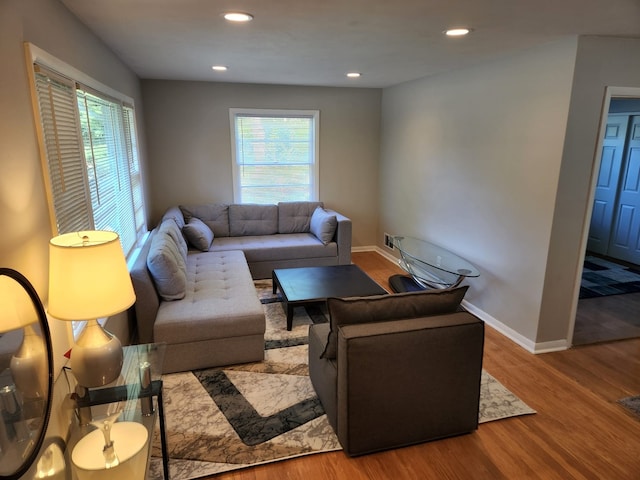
column 610, row 92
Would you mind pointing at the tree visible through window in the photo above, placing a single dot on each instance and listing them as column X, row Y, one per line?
column 275, row 155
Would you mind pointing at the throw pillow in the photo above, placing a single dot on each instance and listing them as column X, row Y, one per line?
column 198, row 234
column 323, row 225
column 381, row 308
column 167, row 267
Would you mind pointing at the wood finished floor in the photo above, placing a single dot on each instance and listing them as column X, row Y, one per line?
column 579, row 432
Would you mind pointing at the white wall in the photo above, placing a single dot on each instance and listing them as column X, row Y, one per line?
column 470, row 160
column 189, row 142
column 600, row 62
column 23, row 206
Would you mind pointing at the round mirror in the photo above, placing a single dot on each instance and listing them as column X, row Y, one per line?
column 26, row 374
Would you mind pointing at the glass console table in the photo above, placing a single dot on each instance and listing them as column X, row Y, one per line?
column 133, row 392
column 429, row 265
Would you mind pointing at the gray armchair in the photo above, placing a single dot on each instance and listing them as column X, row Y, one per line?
column 398, row 382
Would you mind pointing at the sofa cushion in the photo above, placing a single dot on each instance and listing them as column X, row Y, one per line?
column 166, row 264
column 349, row 311
column 323, row 225
column 266, row 248
column 295, row 217
column 214, row 215
column 251, row 219
column 198, row 234
column 176, row 214
column 170, row 227
column 220, row 302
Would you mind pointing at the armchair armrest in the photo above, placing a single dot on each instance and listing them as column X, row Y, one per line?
column 408, row 381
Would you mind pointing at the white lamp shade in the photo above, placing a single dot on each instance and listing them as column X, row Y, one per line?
column 88, row 276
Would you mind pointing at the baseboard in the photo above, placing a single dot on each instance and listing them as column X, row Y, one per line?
column 511, row 334
column 385, row 252
column 365, row 248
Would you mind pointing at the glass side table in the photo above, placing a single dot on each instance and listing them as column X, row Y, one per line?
column 429, row 265
column 134, row 392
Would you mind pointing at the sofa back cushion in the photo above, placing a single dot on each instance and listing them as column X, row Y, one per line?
column 171, row 228
column 147, row 299
column 251, row 219
column 176, row 214
column 295, row 217
column 214, row 215
column 349, row 311
column 167, row 264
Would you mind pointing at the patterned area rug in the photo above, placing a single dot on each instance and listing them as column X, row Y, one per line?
column 223, row 419
column 602, row 278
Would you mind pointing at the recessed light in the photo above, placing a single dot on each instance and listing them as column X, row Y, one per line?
column 354, row 75
column 238, row 17
column 219, row 68
column 457, row 32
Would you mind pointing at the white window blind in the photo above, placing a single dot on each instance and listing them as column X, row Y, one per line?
column 131, row 144
column 67, row 178
column 91, row 159
column 105, row 151
column 275, row 155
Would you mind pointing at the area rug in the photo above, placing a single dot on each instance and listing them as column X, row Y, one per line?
column 601, row 278
column 223, row 419
column 632, row 404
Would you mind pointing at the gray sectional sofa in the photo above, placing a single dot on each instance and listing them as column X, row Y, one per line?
column 273, row 236
column 194, row 275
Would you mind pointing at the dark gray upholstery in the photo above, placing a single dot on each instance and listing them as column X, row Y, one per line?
column 400, row 382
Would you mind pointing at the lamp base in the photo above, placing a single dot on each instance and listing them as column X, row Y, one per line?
column 96, row 358
column 29, row 366
column 129, row 440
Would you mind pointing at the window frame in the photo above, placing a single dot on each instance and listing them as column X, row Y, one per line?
column 36, row 55
column 68, row 75
column 314, row 115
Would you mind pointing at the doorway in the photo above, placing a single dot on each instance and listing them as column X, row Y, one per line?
column 612, row 256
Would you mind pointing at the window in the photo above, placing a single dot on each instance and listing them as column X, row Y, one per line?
column 90, row 158
column 275, row 155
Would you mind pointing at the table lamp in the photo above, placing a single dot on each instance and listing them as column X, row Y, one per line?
column 28, row 363
column 88, row 280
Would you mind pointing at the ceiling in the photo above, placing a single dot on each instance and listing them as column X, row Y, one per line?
column 316, row 42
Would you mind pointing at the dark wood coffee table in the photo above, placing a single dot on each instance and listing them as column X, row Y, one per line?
column 301, row 286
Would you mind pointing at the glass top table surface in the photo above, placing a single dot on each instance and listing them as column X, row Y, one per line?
column 434, row 256
column 136, row 358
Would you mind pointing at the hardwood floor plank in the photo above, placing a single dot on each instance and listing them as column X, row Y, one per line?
column 579, row 432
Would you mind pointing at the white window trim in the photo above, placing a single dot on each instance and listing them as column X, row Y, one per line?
column 314, row 114
column 37, row 55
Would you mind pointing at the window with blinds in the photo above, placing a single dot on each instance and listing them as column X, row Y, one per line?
column 275, row 155
column 91, row 159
